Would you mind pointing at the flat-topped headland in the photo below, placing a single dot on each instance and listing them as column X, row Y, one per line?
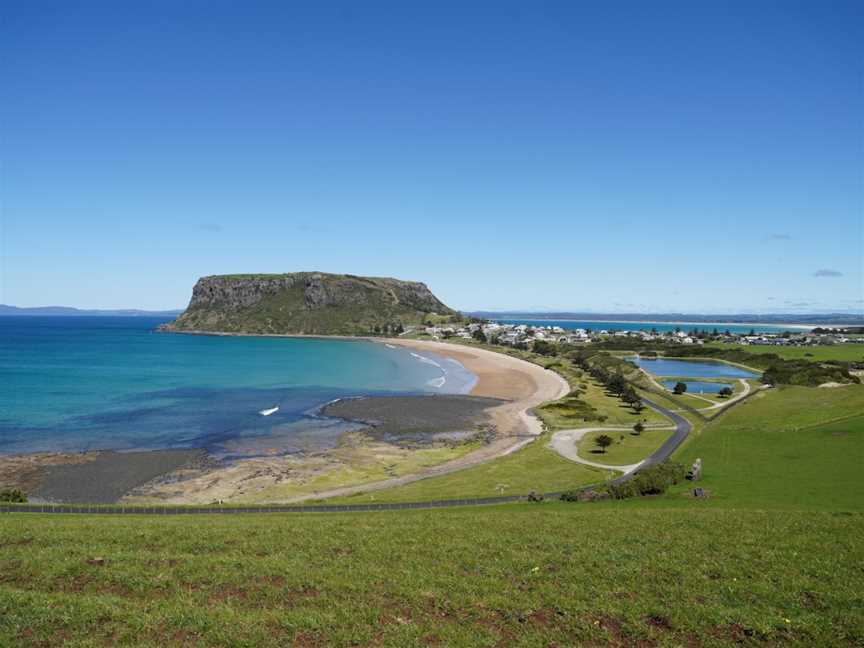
column 307, row 303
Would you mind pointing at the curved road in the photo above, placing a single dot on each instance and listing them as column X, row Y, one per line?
column 682, row 429
column 661, row 454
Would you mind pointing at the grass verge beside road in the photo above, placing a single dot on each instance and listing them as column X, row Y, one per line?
column 627, row 448
column 533, row 468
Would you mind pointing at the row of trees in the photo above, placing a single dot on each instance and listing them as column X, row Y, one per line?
column 613, row 381
column 395, row 328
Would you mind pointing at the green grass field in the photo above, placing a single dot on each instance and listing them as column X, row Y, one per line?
column 533, row 468
column 626, row 448
column 523, row 575
column 845, row 352
column 793, row 448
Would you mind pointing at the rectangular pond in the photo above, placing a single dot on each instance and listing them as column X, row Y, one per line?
column 690, row 369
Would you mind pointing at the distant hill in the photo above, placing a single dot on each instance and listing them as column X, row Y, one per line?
column 847, row 319
column 313, row 303
column 67, row 311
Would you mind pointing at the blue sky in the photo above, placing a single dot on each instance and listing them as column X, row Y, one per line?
column 620, row 156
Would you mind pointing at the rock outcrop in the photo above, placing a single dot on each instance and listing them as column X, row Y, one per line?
column 313, row 303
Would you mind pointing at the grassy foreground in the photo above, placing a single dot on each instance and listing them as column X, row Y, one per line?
column 524, row 575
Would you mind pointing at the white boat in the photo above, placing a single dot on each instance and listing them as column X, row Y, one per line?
column 268, row 412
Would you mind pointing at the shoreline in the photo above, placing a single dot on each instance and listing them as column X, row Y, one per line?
column 517, row 385
column 516, row 425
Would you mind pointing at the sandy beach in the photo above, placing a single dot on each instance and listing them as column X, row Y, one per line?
column 517, row 387
column 523, row 384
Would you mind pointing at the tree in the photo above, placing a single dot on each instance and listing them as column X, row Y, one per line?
column 13, row 495
column 543, row 348
column 629, row 395
column 604, row 441
column 680, row 388
column 617, row 384
column 479, row 335
column 638, row 406
column 638, row 428
column 725, row 392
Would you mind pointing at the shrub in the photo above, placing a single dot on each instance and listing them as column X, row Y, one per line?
column 13, row 495
column 806, row 374
column 653, row 480
column 585, row 495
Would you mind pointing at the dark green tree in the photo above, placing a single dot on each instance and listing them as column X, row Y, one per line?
column 616, row 384
column 604, row 441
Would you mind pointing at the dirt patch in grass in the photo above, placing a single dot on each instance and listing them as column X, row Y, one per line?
column 658, row 622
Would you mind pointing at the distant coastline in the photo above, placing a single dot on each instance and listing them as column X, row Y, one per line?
column 68, row 311
column 804, row 320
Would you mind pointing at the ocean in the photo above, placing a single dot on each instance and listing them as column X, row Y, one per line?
column 95, row 383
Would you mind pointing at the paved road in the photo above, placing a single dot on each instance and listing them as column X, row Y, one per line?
column 682, row 429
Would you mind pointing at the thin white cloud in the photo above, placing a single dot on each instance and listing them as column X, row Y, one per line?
column 827, row 272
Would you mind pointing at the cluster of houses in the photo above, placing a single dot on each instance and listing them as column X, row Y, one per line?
column 798, row 339
column 518, row 335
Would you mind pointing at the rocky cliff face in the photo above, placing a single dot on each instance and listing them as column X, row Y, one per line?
column 306, row 302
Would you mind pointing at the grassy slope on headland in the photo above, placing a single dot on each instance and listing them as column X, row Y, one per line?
column 792, row 447
column 524, row 575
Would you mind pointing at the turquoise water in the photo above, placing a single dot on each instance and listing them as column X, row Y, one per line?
column 704, row 369
column 696, row 387
column 660, row 327
column 84, row 383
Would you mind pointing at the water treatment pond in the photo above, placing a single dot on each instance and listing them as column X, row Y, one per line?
column 691, row 369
